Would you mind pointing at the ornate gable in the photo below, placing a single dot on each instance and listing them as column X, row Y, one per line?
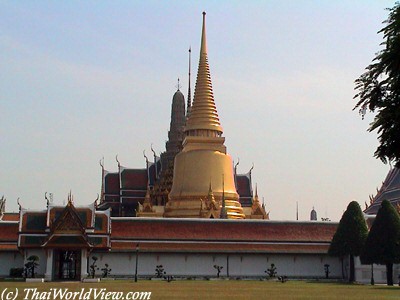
column 210, row 209
column 68, row 230
column 257, row 210
column 68, row 222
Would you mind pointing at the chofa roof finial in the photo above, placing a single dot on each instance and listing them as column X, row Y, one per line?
column 70, row 198
column 116, row 158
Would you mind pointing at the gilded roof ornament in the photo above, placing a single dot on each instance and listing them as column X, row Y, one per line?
column 116, row 158
column 2, row 206
column 70, row 198
column 256, row 196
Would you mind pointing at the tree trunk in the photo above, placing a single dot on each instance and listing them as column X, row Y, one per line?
column 341, row 259
column 389, row 274
column 352, row 275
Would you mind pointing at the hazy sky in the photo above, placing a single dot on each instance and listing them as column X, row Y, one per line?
column 80, row 80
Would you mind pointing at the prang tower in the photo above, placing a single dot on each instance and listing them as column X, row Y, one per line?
column 203, row 168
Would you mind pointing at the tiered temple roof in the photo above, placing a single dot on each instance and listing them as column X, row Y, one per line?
column 244, row 189
column 122, row 191
column 390, row 190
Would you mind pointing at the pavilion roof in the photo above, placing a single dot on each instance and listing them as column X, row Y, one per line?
column 390, row 190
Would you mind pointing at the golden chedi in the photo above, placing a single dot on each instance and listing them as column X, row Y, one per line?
column 203, row 162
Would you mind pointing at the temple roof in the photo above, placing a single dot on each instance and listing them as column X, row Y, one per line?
column 9, row 231
column 134, row 179
column 127, row 187
column 8, row 235
column 243, row 185
column 221, row 230
column 183, row 235
column 63, row 226
column 390, row 190
column 11, row 217
column 244, row 189
column 203, row 235
column 111, row 183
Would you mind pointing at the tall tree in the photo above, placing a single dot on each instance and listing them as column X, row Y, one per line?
column 350, row 236
column 383, row 242
column 379, row 90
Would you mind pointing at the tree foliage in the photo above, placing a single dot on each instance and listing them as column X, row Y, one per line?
column 351, row 233
column 379, row 90
column 271, row 272
column 31, row 265
column 350, row 236
column 93, row 266
column 383, row 242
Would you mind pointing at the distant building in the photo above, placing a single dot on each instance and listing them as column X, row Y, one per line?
column 313, row 215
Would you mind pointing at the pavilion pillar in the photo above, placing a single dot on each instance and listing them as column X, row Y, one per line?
column 48, row 275
column 84, row 256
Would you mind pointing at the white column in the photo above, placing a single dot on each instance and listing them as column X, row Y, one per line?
column 84, row 255
column 49, row 265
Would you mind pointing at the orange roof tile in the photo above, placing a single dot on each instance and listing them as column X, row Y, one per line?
column 8, row 247
column 11, row 217
column 221, row 230
column 8, row 231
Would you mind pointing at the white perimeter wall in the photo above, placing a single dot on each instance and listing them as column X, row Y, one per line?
column 364, row 272
column 10, row 260
column 41, row 269
column 176, row 264
column 180, row 264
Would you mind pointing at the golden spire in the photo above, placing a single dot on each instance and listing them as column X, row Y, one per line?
column 203, row 158
column 224, row 214
column 210, row 192
column 203, row 114
column 189, row 98
column 256, row 195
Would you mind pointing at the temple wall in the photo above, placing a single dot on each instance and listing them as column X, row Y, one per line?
column 41, row 269
column 10, row 260
column 246, row 265
column 364, row 272
column 299, row 266
column 202, row 265
column 121, row 264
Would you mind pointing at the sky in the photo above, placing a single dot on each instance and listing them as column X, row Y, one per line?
column 82, row 80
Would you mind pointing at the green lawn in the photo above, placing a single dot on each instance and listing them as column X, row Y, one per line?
column 224, row 289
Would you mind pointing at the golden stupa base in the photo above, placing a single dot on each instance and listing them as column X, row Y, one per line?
column 234, row 210
column 196, row 208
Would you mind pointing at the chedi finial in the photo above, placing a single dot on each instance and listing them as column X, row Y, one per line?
column 203, row 113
